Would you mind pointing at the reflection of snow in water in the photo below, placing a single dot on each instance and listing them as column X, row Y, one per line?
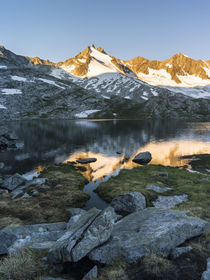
column 165, row 153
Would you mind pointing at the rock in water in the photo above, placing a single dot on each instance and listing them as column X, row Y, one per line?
column 150, row 230
column 128, row 203
column 86, row 160
column 12, row 182
column 91, row 230
column 143, row 158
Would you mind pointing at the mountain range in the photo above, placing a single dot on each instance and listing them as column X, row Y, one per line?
column 96, row 84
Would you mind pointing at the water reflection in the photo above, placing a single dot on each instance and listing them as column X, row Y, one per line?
column 52, row 141
column 166, row 153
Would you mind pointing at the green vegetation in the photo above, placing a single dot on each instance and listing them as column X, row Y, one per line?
column 63, row 189
column 180, row 180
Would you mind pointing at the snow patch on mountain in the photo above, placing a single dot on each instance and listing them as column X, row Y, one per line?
column 2, row 107
column 85, row 114
column 50, row 82
column 196, row 92
column 8, row 91
column 3, row 67
column 18, row 78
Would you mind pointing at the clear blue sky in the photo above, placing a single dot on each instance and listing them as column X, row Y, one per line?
column 59, row 29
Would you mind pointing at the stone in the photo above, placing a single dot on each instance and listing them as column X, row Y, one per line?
column 176, row 252
column 167, row 202
column 38, row 236
column 74, row 211
column 128, row 203
column 150, row 230
column 143, row 158
column 206, row 274
column 163, row 174
column 157, row 189
column 86, row 160
column 91, row 230
column 92, row 274
column 6, row 240
column 11, row 182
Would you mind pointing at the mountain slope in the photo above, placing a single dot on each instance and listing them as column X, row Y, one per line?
column 103, row 87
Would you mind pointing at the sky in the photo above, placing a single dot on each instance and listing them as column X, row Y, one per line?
column 60, row 29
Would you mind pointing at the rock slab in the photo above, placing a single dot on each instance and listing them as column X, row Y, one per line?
column 167, row 202
column 150, row 230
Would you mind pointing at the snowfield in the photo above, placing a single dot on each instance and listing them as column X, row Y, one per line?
column 50, row 82
column 85, row 114
column 8, row 91
column 17, row 78
column 3, row 67
column 2, row 107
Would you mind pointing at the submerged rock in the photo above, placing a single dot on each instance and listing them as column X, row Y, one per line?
column 167, row 202
column 86, row 160
column 128, row 203
column 143, row 158
column 150, row 230
column 91, row 230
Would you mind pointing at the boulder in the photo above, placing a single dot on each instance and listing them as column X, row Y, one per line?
column 92, row 274
column 167, row 202
column 176, row 252
column 6, row 240
column 143, row 158
column 206, row 274
column 128, row 203
column 157, row 189
column 11, row 182
column 163, row 174
column 91, row 230
column 150, row 230
column 86, row 160
column 74, row 211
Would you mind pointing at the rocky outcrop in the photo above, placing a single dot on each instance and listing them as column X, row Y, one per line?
column 143, row 158
column 128, row 203
column 150, row 230
column 167, row 202
column 90, row 231
column 92, row 274
column 11, row 182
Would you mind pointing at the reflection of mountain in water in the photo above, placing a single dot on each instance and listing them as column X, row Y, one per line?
column 56, row 140
column 165, row 153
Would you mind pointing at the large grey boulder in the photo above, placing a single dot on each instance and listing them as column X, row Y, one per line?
column 150, row 230
column 143, row 158
column 91, row 230
column 74, row 211
column 128, row 203
column 12, row 182
column 38, row 236
column 167, row 202
column 206, row 274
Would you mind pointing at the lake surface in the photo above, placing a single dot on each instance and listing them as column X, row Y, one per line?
column 112, row 142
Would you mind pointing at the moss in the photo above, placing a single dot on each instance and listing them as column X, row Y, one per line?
column 64, row 189
column 180, row 180
column 200, row 162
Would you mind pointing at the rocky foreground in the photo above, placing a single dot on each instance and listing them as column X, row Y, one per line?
column 139, row 236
